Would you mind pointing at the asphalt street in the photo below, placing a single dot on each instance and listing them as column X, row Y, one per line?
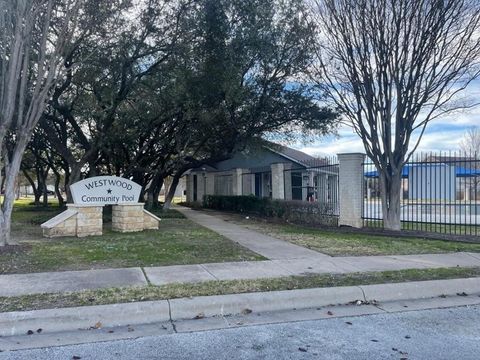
column 452, row 333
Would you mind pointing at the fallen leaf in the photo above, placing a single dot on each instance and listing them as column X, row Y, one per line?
column 30, row 332
column 75, row 357
column 246, row 311
column 407, row 337
column 39, row 331
column 199, row 316
column 374, row 340
column 462, row 294
column 98, row 325
column 329, row 312
column 302, row 349
column 348, row 322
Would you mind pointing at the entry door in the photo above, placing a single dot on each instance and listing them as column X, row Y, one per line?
column 258, row 184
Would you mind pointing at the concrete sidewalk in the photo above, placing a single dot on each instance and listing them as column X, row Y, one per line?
column 62, row 281
column 25, row 284
column 285, row 260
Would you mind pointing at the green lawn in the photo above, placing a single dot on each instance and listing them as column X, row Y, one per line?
column 145, row 293
column 338, row 243
column 178, row 241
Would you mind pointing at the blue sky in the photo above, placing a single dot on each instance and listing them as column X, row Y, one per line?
column 442, row 134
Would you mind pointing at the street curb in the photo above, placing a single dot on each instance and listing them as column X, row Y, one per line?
column 223, row 305
column 420, row 289
column 83, row 317
column 65, row 319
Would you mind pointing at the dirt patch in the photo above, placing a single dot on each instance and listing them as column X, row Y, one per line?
column 14, row 249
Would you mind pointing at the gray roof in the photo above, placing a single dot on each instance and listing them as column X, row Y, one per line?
column 291, row 154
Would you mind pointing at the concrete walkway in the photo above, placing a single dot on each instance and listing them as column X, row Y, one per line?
column 271, row 248
column 285, row 260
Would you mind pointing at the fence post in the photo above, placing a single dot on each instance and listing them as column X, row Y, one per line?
column 278, row 185
column 351, row 189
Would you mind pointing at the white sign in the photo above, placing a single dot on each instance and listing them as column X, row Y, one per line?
column 105, row 190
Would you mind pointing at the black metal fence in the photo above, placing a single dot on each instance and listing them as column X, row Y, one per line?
column 315, row 182
column 440, row 192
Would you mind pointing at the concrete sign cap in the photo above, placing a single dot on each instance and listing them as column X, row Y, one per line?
column 105, row 190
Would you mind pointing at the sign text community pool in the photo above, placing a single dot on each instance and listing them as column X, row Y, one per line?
column 105, row 190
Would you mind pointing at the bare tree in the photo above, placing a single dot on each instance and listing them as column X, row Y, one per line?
column 33, row 34
column 470, row 143
column 391, row 67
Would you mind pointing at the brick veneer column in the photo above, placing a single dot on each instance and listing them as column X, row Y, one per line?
column 278, row 181
column 351, row 189
column 89, row 219
column 127, row 217
column 237, row 182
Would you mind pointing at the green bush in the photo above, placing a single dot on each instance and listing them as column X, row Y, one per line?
column 313, row 213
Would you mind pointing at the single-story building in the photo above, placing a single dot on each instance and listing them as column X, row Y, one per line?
column 268, row 170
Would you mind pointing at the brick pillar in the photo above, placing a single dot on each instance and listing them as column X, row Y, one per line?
column 127, row 217
column 237, row 182
column 287, row 184
column 210, row 184
column 278, row 181
column 89, row 219
column 351, row 189
column 247, row 182
column 189, row 188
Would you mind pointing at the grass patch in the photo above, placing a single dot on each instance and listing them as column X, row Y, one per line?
column 178, row 241
column 351, row 244
column 337, row 243
column 451, row 229
column 168, row 214
column 123, row 295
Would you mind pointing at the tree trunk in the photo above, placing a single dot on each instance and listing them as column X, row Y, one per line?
column 156, row 194
column 39, row 192
column 44, row 188
column 12, row 169
column 390, row 187
column 33, row 185
column 58, row 193
column 75, row 175
column 154, row 191
column 171, row 191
